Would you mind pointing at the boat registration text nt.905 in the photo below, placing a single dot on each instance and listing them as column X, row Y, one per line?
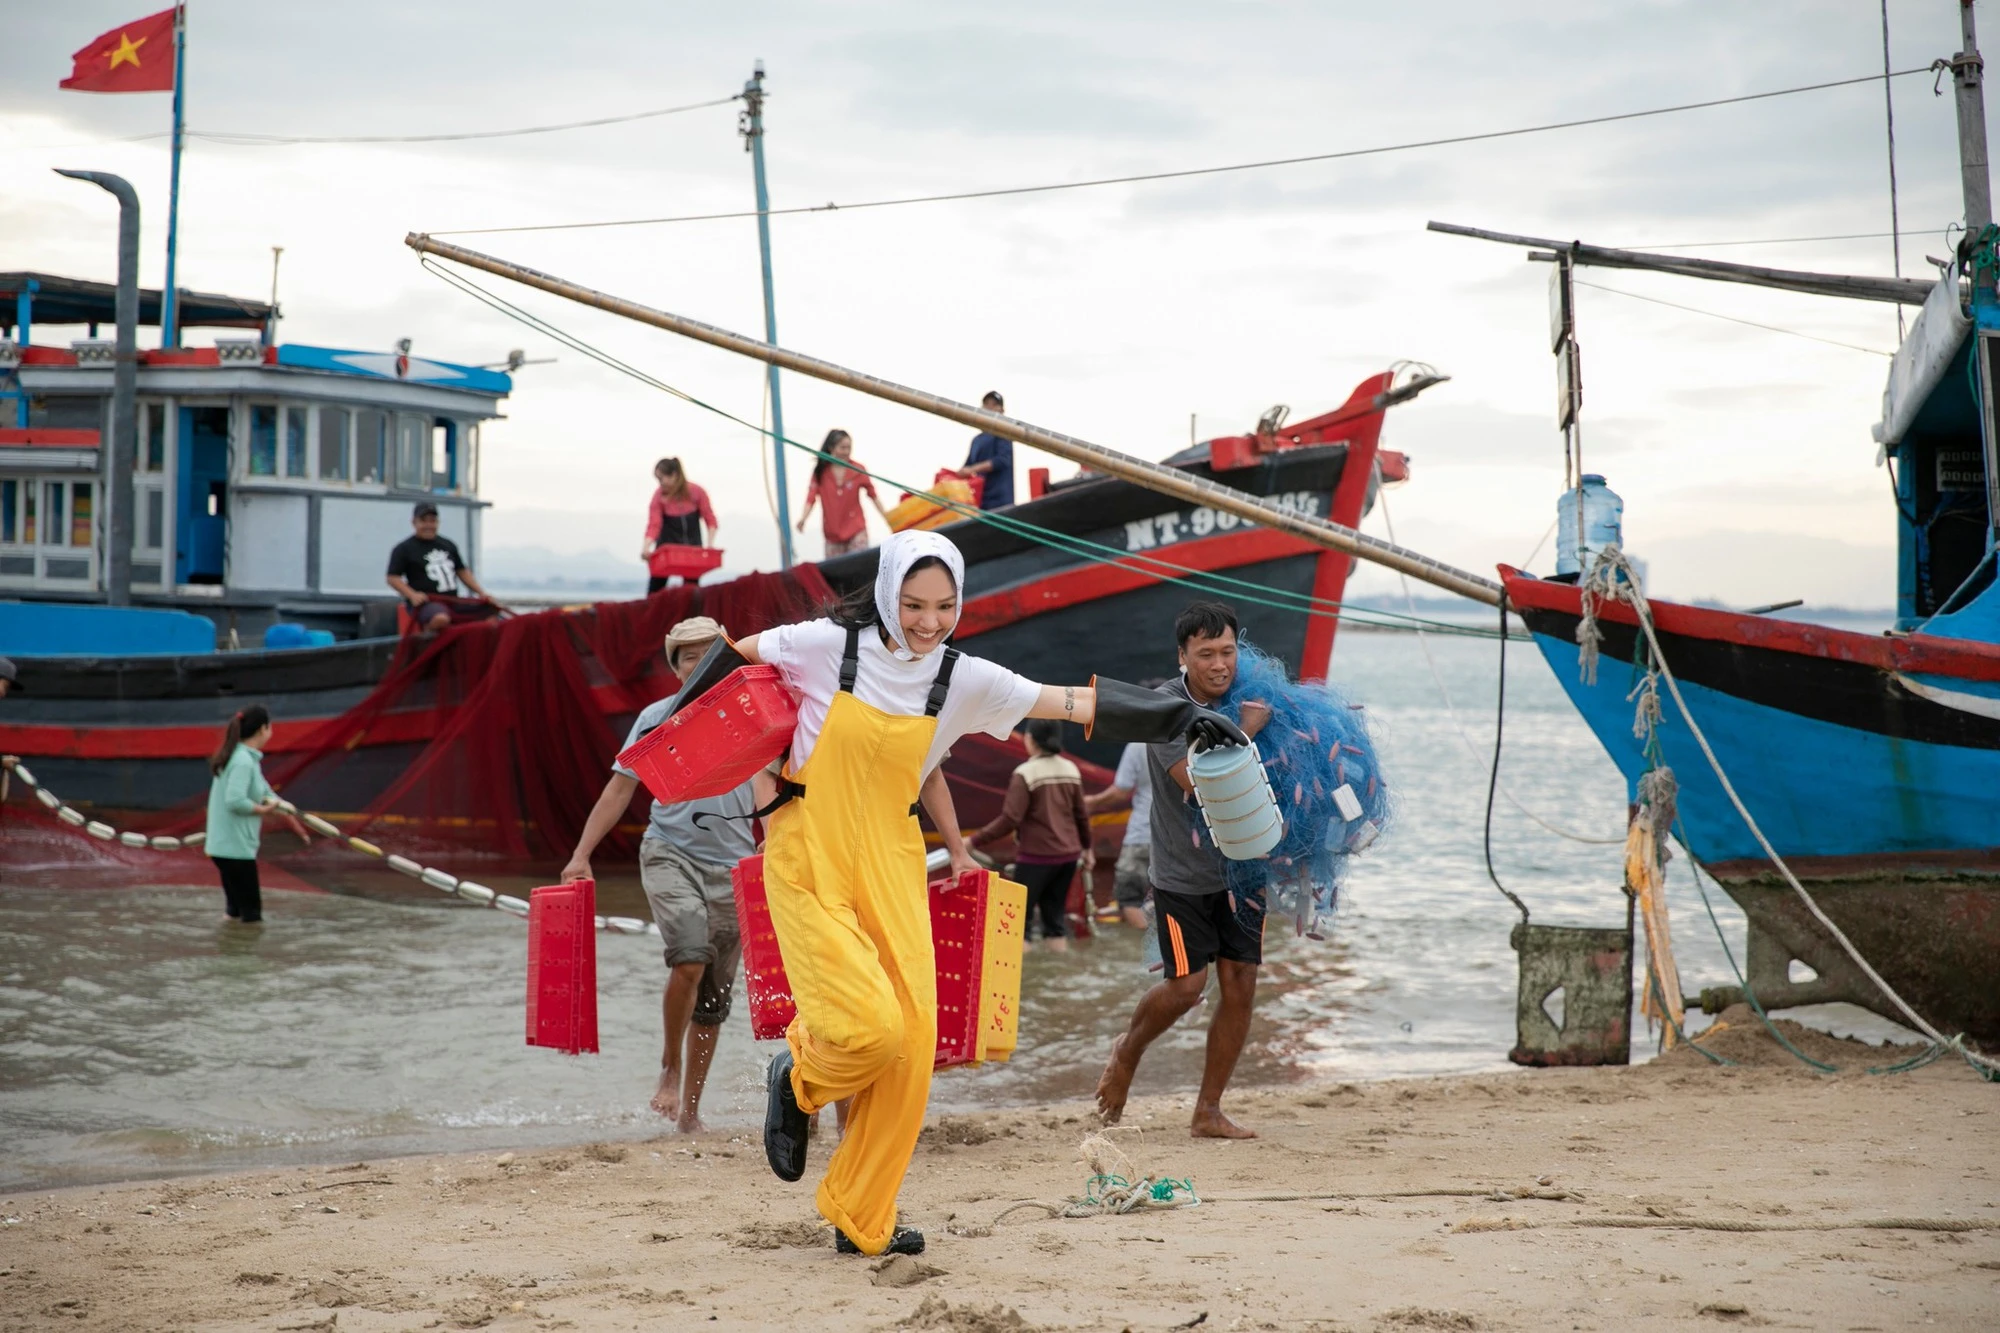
column 1165, row 529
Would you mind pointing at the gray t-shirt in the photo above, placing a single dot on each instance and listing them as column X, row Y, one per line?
column 715, row 842
column 1180, row 863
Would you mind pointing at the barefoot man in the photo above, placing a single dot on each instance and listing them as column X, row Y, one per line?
column 1198, row 923
column 684, row 868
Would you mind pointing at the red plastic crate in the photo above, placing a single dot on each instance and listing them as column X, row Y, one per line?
column 716, row 743
column 687, row 562
column 958, row 932
column 562, row 967
column 770, row 990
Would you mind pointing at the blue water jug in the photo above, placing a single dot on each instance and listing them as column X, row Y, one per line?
column 1603, row 514
column 1236, row 800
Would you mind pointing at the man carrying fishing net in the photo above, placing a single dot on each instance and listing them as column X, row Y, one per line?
column 1318, row 760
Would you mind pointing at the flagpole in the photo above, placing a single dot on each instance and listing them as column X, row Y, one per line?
column 170, row 329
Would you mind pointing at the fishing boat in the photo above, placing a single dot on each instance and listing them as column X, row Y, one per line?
column 270, row 480
column 1871, row 762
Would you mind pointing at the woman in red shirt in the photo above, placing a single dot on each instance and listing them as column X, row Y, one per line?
column 837, row 487
column 676, row 515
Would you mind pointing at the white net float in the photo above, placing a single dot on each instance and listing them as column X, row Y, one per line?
column 100, row 830
column 194, row 840
column 511, row 905
column 25, row 775
column 437, row 879
column 626, row 925
column 134, row 839
column 363, row 845
column 284, row 805
column 163, row 843
column 476, row 893
column 404, row 864
column 320, row 826
column 74, row 818
column 48, row 798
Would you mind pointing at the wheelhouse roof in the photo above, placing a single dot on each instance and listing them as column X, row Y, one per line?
column 60, row 300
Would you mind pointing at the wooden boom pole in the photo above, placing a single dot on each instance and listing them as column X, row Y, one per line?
column 1152, row 476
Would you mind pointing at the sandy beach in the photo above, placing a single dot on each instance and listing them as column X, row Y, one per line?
column 1673, row 1194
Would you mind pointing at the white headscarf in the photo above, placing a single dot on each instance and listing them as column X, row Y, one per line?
column 902, row 550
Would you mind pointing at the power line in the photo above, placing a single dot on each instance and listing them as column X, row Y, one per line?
column 247, row 140
column 1768, row 328
column 1141, row 177
column 1768, row 240
column 270, row 140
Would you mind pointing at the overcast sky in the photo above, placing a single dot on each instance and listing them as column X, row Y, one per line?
column 1113, row 313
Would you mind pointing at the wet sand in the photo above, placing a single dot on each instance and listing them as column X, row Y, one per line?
column 1627, row 1183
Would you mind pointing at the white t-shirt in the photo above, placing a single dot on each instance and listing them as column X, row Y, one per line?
column 983, row 696
column 1133, row 777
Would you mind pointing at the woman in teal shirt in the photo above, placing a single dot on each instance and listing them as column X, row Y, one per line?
column 238, row 800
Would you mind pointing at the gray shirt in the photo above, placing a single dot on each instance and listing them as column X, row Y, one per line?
column 1180, row 864
column 715, row 842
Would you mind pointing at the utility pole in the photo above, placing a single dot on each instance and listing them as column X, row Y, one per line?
column 752, row 129
column 271, row 328
column 170, row 305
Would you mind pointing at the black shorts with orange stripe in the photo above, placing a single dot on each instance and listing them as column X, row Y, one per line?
column 1197, row 928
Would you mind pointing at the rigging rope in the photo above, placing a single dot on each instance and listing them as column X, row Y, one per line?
column 1451, row 710
column 1214, row 583
column 1610, row 564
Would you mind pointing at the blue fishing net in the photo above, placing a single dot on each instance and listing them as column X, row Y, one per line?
column 1315, row 746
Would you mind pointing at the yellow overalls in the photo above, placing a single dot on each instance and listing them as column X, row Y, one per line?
column 844, row 875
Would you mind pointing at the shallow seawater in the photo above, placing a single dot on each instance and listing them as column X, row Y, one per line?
column 139, row 1037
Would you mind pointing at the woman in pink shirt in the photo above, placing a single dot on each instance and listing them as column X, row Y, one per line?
column 837, row 487
column 676, row 515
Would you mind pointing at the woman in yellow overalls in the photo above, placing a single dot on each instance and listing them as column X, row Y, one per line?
column 881, row 702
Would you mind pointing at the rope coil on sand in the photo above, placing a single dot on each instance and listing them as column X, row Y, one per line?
column 477, row 894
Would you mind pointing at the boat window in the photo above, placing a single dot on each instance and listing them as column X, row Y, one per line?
column 27, row 513
column 412, row 453
column 444, row 462
column 156, row 519
column 295, row 442
column 52, row 508
column 333, row 444
column 80, row 532
column 10, row 518
column 263, row 440
column 154, row 428
column 371, row 429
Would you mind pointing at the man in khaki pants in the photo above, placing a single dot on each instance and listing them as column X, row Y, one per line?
column 684, row 868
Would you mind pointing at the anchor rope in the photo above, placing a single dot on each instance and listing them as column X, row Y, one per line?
column 1604, row 582
column 477, row 894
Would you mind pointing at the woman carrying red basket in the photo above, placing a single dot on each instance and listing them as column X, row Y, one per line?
column 882, row 699
column 676, row 515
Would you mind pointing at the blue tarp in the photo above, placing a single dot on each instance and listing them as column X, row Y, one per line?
column 57, row 629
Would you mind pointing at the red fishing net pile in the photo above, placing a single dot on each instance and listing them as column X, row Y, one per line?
column 498, row 737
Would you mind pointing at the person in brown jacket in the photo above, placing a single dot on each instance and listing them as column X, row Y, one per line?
column 1044, row 809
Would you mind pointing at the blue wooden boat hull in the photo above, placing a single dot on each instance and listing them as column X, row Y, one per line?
column 1872, row 765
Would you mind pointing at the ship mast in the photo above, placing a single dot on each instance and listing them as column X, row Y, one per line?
column 1967, row 71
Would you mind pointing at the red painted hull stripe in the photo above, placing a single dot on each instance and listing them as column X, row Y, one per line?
column 1919, row 653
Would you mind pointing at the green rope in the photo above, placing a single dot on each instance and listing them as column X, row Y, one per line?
column 1166, row 571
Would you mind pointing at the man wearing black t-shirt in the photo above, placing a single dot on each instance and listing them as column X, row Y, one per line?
column 425, row 566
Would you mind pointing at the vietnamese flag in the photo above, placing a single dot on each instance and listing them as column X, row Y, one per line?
column 137, row 58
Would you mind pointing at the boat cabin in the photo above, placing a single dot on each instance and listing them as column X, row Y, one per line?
column 270, row 479
column 1938, row 428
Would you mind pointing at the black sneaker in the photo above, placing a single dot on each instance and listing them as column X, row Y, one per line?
column 785, row 1125
column 905, row 1240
